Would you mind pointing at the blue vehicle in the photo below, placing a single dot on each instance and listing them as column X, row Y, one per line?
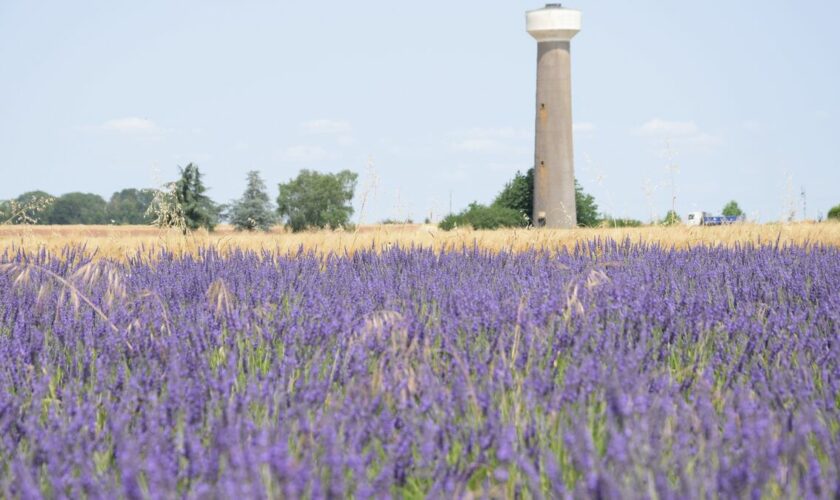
column 707, row 219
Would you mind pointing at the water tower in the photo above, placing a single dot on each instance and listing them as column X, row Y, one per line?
column 554, row 171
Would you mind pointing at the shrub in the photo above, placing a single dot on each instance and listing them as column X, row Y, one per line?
column 834, row 213
column 611, row 222
column 484, row 217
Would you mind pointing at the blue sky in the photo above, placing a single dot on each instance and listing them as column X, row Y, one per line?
column 425, row 100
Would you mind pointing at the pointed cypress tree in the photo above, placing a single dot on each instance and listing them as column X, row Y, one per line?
column 198, row 209
column 253, row 211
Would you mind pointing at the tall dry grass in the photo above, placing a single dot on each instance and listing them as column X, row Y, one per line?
column 117, row 242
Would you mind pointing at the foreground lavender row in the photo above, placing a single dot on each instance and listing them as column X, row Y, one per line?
column 614, row 370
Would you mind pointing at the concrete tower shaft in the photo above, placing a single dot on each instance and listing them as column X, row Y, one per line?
column 554, row 176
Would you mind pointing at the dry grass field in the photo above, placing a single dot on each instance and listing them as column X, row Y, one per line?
column 119, row 241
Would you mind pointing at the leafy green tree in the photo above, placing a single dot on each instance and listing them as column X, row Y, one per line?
column 313, row 199
column 130, row 206
column 33, row 207
column 834, row 213
column 732, row 209
column 197, row 208
column 518, row 194
column 79, row 208
column 483, row 217
column 253, row 210
column 586, row 208
column 671, row 218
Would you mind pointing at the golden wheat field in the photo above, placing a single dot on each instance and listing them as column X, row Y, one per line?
column 117, row 242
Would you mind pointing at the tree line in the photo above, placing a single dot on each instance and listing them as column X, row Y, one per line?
column 310, row 200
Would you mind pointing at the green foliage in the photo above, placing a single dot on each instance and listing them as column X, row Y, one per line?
column 518, row 194
column 316, row 200
column 671, row 218
column 834, row 213
column 483, row 217
column 79, row 208
column 130, row 206
column 586, row 208
column 197, row 208
column 253, row 211
column 732, row 209
column 608, row 221
column 33, row 207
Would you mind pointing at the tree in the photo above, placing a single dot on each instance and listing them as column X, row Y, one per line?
column 518, row 194
column 834, row 213
column 253, row 210
column 587, row 209
column 732, row 209
column 197, row 208
column 319, row 200
column 130, row 206
column 483, row 217
column 672, row 218
column 79, row 208
column 33, row 207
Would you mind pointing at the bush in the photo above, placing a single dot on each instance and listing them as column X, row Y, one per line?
column 834, row 213
column 611, row 222
column 483, row 217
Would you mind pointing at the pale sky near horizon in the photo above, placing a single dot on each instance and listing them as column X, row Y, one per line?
column 424, row 100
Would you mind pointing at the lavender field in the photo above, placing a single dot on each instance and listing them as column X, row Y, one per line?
column 613, row 370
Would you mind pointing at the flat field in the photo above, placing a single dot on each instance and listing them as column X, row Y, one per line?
column 655, row 363
column 117, row 242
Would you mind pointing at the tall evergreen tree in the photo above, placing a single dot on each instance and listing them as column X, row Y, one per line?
column 253, row 211
column 198, row 209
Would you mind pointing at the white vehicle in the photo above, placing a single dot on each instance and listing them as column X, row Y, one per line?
column 707, row 219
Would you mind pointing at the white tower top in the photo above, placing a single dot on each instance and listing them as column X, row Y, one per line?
column 553, row 23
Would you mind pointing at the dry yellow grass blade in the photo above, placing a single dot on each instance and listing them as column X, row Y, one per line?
column 117, row 242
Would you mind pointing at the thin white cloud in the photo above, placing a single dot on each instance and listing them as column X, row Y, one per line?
column 490, row 140
column 679, row 133
column 327, row 126
column 305, row 154
column 131, row 125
